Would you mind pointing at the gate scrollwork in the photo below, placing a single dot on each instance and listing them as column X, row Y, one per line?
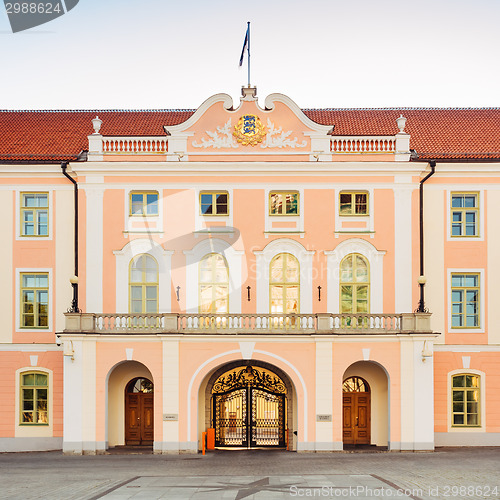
column 249, row 376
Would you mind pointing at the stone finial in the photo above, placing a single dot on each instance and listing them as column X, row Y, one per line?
column 96, row 122
column 401, row 121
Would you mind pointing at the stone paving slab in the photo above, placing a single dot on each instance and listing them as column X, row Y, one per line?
column 458, row 473
column 258, row 488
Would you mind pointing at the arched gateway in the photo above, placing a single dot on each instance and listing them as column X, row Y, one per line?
column 249, row 408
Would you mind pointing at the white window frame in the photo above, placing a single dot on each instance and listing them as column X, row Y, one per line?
column 305, row 258
column 482, row 403
column 123, row 257
column 19, row 271
column 297, row 219
column 157, row 220
column 234, row 259
column 375, row 260
column 33, row 430
column 50, row 219
column 482, row 300
column 481, row 213
column 200, row 219
column 369, row 218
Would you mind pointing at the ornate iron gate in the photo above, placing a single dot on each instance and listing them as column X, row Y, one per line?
column 249, row 408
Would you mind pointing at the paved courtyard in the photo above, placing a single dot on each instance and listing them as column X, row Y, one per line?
column 261, row 475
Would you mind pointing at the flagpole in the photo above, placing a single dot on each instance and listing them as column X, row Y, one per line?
column 248, row 23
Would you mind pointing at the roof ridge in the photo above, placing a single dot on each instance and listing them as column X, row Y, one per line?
column 403, row 109
column 97, row 110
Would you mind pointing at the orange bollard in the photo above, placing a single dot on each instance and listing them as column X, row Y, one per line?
column 203, row 441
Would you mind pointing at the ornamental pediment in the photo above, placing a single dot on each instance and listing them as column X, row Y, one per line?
column 217, row 128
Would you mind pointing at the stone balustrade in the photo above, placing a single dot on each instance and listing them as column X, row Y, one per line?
column 134, row 145
column 371, row 144
column 308, row 324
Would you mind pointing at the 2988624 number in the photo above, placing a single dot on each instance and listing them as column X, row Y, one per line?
column 33, row 8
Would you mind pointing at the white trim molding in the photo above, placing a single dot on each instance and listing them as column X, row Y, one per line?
column 125, row 255
column 376, row 261
column 305, row 258
column 234, row 259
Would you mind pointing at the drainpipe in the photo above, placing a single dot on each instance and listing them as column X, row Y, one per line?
column 74, row 280
column 421, row 279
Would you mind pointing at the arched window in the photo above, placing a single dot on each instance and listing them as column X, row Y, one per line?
column 354, row 284
column 143, row 284
column 466, row 399
column 355, row 384
column 214, row 284
column 284, row 284
column 34, row 398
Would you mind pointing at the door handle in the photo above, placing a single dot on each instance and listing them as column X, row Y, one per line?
column 357, row 419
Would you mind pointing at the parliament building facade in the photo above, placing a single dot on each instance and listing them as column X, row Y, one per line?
column 312, row 280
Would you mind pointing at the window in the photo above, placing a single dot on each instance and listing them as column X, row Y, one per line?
column 465, row 300
column 214, row 203
column 284, row 284
column 143, row 284
column 465, row 390
column 34, row 398
column 281, row 203
column 34, row 214
column 34, row 300
column 214, row 284
column 145, row 203
column 464, row 214
column 352, row 203
column 354, row 284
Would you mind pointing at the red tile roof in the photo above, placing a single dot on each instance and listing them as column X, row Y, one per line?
column 50, row 136
column 435, row 133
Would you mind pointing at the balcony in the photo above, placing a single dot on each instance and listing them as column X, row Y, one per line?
column 248, row 324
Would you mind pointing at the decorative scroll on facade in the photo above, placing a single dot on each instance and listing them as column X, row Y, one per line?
column 249, row 132
column 249, row 376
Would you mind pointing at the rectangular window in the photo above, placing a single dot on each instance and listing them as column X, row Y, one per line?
column 34, row 300
column 353, row 203
column 144, row 203
column 465, row 300
column 34, row 398
column 212, row 203
column 281, row 203
column 464, row 214
column 465, row 401
column 34, row 214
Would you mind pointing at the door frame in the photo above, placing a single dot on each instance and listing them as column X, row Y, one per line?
column 354, row 414
column 146, row 436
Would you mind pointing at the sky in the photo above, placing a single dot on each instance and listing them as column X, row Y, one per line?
column 166, row 54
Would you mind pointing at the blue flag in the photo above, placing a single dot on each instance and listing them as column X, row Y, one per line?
column 245, row 44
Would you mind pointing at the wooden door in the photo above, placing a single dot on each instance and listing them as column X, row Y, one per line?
column 139, row 429
column 356, row 417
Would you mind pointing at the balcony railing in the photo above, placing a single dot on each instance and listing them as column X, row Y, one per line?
column 235, row 324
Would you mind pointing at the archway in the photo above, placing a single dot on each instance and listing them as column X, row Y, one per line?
column 249, row 404
column 365, row 391
column 119, row 382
